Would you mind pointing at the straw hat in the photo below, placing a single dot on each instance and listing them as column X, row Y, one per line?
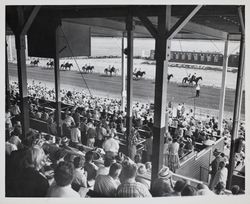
column 18, row 124
column 65, row 140
column 141, row 169
column 216, row 152
column 165, row 173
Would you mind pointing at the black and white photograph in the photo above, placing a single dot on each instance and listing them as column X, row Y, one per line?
column 130, row 100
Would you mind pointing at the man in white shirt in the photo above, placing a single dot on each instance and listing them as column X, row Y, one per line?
column 76, row 134
column 106, row 185
column 198, row 88
column 9, row 147
column 179, row 110
column 8, row 118
column 15, row 110
column 220, row 176
column 69, row 120
column 111, row 146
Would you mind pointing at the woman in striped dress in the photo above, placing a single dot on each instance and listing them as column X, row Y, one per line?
column 173, row 157
column 168, row 141
column 132, row 142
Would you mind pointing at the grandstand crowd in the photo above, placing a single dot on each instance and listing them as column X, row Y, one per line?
column 87, row 161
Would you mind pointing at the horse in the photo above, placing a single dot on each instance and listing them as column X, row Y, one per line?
column 50, row 64
column 34, row 62
column 170, row 76
column 67, row 65
column 90, row 69
column 111, row 70
column 84, row 68
column 191, row 80
column 196, row 80
column 139, row 74
column 185, row 80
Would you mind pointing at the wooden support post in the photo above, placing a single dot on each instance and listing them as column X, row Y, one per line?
column 26, row 45
column 7, row 84
column 22, row 28
column 57, row 80
column 162, row 52
column 10, row 48
column 123, row 94
column 238, row 101
column 223, row 86
column 22, row 83
column 129, row 28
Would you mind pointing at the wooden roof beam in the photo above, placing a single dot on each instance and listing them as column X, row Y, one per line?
column 234, row 37
column 105, row 32
column 101, row 12
column 182, row 22
column 148, row 24
column 199, row 29
column 30, row 20
column 108, row 24
column 203, row 30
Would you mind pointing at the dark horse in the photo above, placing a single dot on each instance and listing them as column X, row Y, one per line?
column 50, row 64
column 110, row 70
column 34, row 62
column 170, row 76
column 66, row 66
column 90, row 68
column 139, row 74
column 196, row 80
column 191, row 80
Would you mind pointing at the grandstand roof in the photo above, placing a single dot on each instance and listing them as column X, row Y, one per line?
column 210, row 22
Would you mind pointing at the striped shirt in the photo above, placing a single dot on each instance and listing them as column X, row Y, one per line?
column 134, row 189
column 105, row 185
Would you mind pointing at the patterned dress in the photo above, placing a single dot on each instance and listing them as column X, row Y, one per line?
column 133, row 140
column 173, row 157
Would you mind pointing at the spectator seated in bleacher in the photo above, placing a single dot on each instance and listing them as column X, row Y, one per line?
column 80, row 176
column 90, row 168
column 141, row 174
column 129, row 187
column 236, row 190
column 178, row 187
column 189, row 190
column 106, row 185
column 204, row 190
column 64, row 174
column 31, row 182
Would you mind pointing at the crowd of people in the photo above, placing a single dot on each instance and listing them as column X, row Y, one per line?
column 96, row 122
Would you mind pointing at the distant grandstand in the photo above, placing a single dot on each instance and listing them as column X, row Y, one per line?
column 207, row 58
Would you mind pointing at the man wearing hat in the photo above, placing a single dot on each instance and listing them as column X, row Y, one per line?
column 165, row 173
column 215, row 164
column 163, row 185
column 15, row 110
column 141, row 175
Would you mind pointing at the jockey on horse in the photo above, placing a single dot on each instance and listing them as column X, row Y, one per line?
column 192, row 78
